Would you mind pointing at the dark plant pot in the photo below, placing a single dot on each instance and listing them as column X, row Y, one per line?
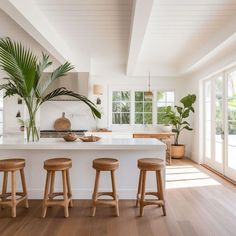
column 178, row 151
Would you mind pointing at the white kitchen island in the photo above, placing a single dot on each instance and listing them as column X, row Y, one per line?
column 126, row 150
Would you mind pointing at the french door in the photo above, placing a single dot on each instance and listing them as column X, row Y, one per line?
column 220, row 123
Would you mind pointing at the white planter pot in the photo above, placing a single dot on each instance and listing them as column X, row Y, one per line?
column 166, row 128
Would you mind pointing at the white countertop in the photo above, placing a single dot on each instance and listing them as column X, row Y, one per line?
column 103, row 144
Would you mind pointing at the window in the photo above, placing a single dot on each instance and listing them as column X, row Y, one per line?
column 130, row 107
column 143, row 108
column 164, row 99
column 1, row 113
column 121, row 107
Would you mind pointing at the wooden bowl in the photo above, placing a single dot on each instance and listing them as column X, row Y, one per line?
column 89, row 138
column 70, row 137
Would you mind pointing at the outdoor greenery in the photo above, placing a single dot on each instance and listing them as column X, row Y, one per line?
column 24, row 78
column 143, row 109
column 178, row 116
column 121, row 107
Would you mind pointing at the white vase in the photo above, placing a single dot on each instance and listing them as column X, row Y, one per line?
column 166, row 128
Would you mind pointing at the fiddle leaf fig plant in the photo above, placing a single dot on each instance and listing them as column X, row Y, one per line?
column 178, row 116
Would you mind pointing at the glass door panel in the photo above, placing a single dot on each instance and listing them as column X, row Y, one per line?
column 231, row 116
column 213, row 123
column 207, row 118
column 219, row 114
column 220, row 123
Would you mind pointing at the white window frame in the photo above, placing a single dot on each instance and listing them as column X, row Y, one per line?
column 124, row 90
column 134, row 101
column 132, row 90
column 162, row 90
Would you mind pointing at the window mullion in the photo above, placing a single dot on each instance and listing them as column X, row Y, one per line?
column 132, row 107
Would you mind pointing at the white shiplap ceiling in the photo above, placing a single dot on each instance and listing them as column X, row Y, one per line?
column 99, row 29
column 178, row 29
column 166, row 37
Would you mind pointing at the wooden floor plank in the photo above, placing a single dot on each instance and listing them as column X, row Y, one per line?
column 198, row 202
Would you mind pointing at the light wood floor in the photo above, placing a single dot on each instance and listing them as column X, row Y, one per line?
column 198, row 203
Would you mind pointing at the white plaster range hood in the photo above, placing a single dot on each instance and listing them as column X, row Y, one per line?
column 74, row 81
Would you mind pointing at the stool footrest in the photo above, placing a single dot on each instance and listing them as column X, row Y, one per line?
column 106, row 202
column 156, row 194
column 152, row 202
column 6, row 195
column 99, row 194
column 9, row 201
column 58, row 194
column 60, row 202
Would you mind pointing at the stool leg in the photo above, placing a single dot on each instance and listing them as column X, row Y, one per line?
column 143, row 192
column 95, row 191
column 46, row 191
column 22, row 175
column 65, row 194
column 69, row 188
column 52, row 184
column 139, row 188
column 4, row 186
column 13, row 194
column 160, row 190
column 114, row 191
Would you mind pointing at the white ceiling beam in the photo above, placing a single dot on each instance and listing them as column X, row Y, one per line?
column 140, row 18
column 210, row 48
column 32, row 20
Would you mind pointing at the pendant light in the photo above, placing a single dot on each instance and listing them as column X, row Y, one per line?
column 148, row 94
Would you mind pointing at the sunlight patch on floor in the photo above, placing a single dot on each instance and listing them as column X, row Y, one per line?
column 187, row 177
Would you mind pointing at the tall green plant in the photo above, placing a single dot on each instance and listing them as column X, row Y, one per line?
column 178, row 116
column 24, row 78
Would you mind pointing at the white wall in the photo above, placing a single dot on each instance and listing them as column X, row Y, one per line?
column 220, row 61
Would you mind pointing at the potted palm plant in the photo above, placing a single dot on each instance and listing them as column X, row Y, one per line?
column 178, row 118
column 24, row 78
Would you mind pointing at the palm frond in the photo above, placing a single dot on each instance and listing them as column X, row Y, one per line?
column 10, row 89
column 59, row 72
column 41, row 66
column 64, row 92
column 19, row 63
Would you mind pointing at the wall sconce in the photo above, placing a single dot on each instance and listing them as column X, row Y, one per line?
column 98, row 90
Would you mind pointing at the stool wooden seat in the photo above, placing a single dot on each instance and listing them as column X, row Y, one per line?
column 150, row 164
column 13, row 165
column 51, row 166
column 105, row 164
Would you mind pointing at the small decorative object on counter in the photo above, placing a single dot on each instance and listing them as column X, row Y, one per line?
column 62, row 123
column 90, row 138
column 70, row 137
column 105, row 130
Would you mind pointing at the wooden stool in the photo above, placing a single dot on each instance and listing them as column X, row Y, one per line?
column 13, row 165
column 105, row 164
column 150, row 164
column 51, row 166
